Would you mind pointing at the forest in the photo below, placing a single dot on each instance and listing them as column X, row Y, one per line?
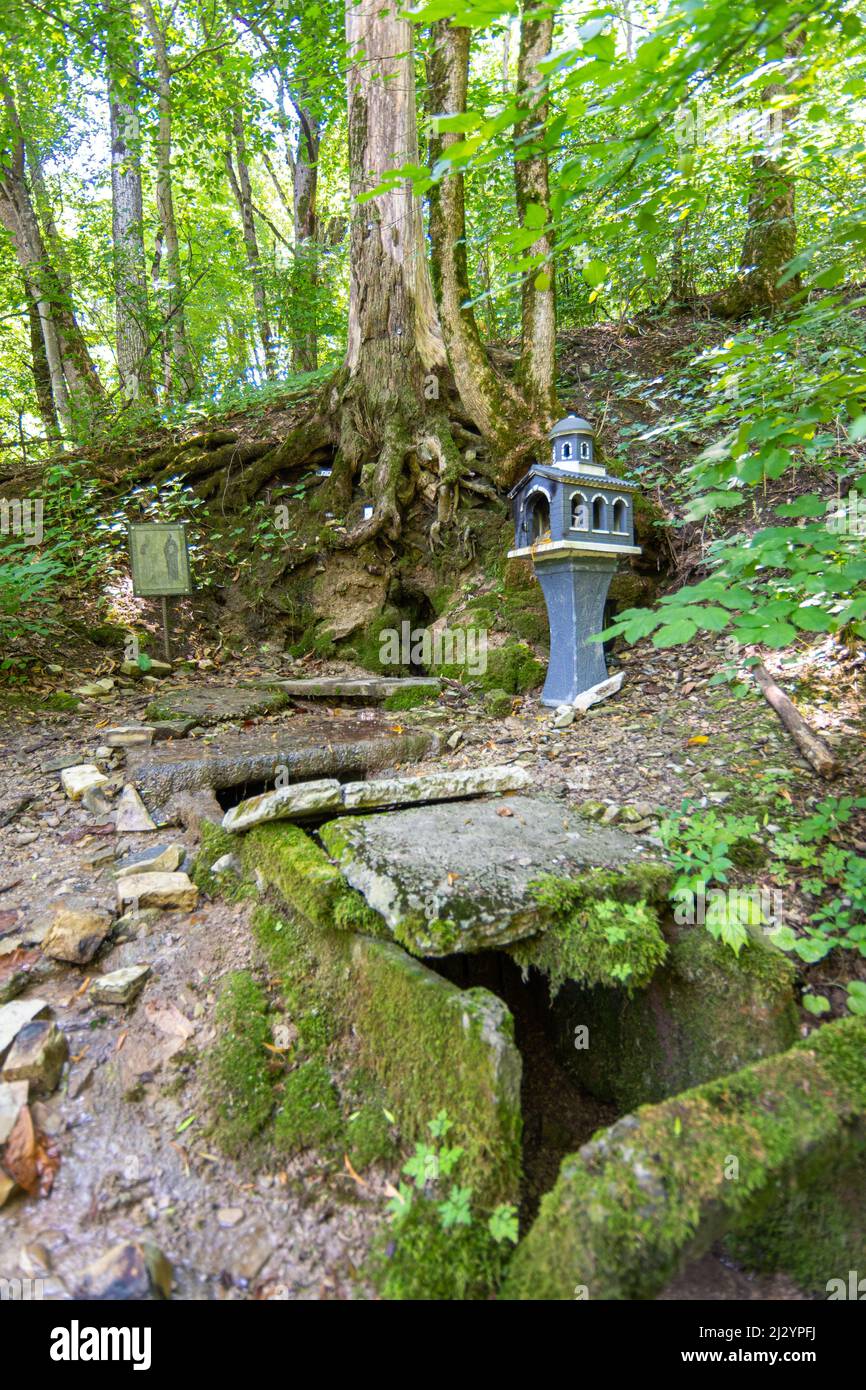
column 432, row 603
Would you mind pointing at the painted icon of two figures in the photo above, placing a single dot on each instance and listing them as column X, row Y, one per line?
column 150, row 552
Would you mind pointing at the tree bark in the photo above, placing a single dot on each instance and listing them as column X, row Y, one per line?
column 75, row 385
column 242, row 188
column 41, row 370
column 132, row 340
column 182, row 373
column 492, row 403
column 537, row 371
column 305, row 177
column 770, row 240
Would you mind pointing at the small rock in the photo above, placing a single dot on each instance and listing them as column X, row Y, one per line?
column 61, row 763
column 14, row 806
column 563, row 717
column 96, row 802
column 132, row 1272
column 599, row 692
column 164, row 859
column 76, row 933
column 95, row 688
column 230, row 1216
column 158, row 890
column 27, row 837
column 454, row 740
column 129, row 735
column 13, row 1096
column 611, row 814
column 15, row 1016
column 120, row 986
column 171, row 728
column 37, row 1055
column 76, row 780
column 34, row 1260
column 97, row 857
column 132, row 814
column 227, row 864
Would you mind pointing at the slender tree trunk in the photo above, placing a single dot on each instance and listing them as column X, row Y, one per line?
column 75, row 383
column 491, row 402
column 183, row 375
column 770, row 240
column 537, row 372
column 41, row 370
column 305, row 175
column 242, row 188
column 132, row 339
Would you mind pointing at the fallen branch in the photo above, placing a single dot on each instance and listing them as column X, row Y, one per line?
column 813, row 748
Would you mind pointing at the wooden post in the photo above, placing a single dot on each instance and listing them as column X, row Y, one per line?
column 166, row 640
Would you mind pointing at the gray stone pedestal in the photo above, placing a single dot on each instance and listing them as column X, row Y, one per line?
column 575, row 589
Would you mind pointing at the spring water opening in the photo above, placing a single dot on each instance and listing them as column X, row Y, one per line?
column 558, row 1114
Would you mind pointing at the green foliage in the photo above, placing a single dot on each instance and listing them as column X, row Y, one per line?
column 438, row 1246
column 597, row 941
column 829, row 872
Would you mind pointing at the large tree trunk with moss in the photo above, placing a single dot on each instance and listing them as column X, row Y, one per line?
column 537, row 372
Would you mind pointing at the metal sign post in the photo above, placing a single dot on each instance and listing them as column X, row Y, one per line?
column 159, row 560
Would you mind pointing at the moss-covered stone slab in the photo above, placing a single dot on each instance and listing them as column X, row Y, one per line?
column 306, row 748
column 372, row 689
column 455, row 877
column 739, row 1157
column 705, row 1012
column 212, row 704
column 436, row 1047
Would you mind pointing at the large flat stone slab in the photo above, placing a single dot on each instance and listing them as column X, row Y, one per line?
column 302, row 800
column 307, row 747
column 373, row 688
column 214, row 703
column 456, row 876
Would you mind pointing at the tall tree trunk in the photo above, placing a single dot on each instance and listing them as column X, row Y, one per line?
column 492, row 403
column 76, row 386
column 242, row 188
column 305, row 175
column 183, row 375
column 537, row 372
column 41, row 370
column 132, row 339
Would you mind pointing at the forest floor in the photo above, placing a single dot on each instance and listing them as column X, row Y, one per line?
column 122, row 1133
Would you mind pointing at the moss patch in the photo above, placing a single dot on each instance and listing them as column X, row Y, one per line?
column 593, row 940
column 421, row 1261
column 305, row 877
column 410, row 698
column 238, row 1083
column 309, row 1115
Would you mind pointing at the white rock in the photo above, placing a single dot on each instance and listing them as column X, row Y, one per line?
column 14, row 1016
column 563, row 717
column 226, row 864
column 129, row 735
column 13, row 1095
column 285, row 803
column 599, row 692
column 132, row 814
column 164, row 861
column 77, row 780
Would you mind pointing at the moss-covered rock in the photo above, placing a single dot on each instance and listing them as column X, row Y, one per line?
column 238, row 1082
column 305, row 877
column 705, row 1012
column 497, row 704
column 428, row 1045
column 744, row 1155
